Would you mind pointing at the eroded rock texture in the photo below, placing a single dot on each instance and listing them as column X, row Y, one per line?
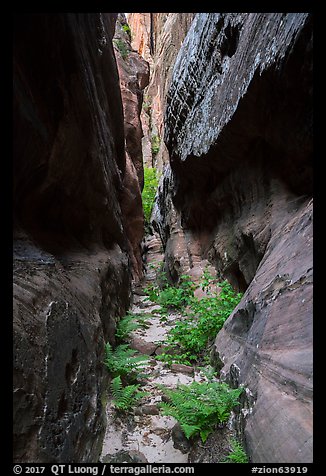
column 238, row 196
column 158, row 38
column 71, row 264
column 133, row 77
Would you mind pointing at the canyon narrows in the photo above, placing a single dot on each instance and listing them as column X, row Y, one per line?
column 217, row 108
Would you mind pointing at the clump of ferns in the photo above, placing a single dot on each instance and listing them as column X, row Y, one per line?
column 125, row 365
column 237, row 453
column 130, row 323
column 125, row 362
column 125, row 397
column 200, row 407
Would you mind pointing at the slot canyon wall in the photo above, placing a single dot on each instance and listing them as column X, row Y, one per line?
column 231, row 94
column 158, row 38
column 133, row 79
column 238, row 196
column 74, row 254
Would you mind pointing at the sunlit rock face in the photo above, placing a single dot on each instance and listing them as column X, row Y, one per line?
column 158, row 38
column 238, row 195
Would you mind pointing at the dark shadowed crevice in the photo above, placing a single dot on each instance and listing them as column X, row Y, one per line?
column 233, row 274
column 230, row 43
column 63, row 406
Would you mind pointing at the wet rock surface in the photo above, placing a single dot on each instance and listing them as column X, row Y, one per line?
column 238, row 195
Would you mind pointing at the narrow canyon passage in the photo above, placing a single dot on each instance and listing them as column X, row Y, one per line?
column 145, row 434
column 162, row 210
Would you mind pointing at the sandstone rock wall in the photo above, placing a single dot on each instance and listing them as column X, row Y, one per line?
column 141, row 26
column 71, row 263
column 133, row 78
column 238, row 195
column 158, row 38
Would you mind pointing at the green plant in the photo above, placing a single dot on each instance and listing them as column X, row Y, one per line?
column 203, row 321
column 126, row 28
column 125, row 361
column 206, row 280
column 199, row 407
column 130, row 323
column 147, row 103
column 124, row 398
column 237, row 455
column 125, row 327
column 149, row 191
column 168, row 296
column 177, row 297
column 210, row 373
column 156, row 143
column 122, row 47
column 152, row 292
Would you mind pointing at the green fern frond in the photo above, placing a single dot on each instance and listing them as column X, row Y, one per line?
column 204, row 434
column 125, row 327
column 116, row 387
column 130, row 323
column 237, row 454
column 125, row 361
column 199, row 407
column 189, row 430
column 124, row 397
column 169, row 410
column 108, row 350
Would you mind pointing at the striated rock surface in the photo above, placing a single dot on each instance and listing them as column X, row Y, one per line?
column 238, row 195
column 71, row 265
column 133, row 77
column 142, row 33
column 158, row 38
column 170, row 30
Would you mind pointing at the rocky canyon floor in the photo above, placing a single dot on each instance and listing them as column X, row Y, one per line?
column 144, row 435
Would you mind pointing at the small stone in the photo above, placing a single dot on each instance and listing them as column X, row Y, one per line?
column 147, row 348
column 166, row 349
column 125, row 457
column 180, row 441
column 150, row 410
column 160, row 350
column 184, row 369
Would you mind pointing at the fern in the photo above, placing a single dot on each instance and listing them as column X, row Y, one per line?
column 130, row 323
column 126, row 326
column 125, row 361
column 124, row 398
column 190, row 430
column 202, row 319
column 122, row 47
column 149, row 191
column 237, row 455
column 199, row 407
